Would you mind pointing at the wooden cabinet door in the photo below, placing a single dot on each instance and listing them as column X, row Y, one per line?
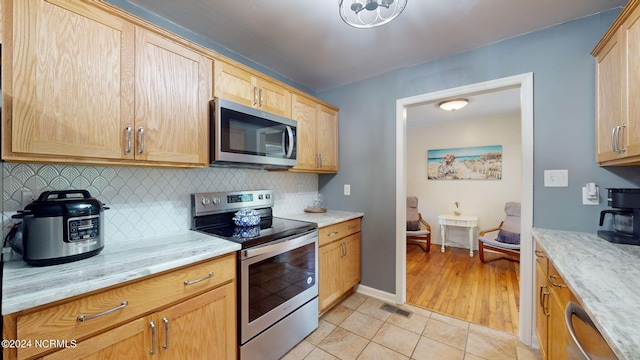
column 304, row 112
column 542, row 309
column 632, row 133
column 273, row 98
column 329, row 273
column 68, row 91
column 610, row 100
column 351, row 261
column 203, row 327
column 234, row 84
column 173, row 88
column 558, row 333
column 129, row 341
column 327, row 138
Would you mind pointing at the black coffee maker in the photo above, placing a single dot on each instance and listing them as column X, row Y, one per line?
column 626, row 217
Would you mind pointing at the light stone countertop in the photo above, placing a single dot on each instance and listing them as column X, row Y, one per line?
column 26, row 286
column 323, row 219
column 605, row 277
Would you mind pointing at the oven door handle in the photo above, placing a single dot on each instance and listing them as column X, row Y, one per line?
column 281, row 245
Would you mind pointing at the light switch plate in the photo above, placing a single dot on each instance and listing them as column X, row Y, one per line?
column 347, row 189
column 556, row 178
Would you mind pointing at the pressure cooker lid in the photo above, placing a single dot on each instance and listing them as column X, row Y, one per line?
column 64, row 202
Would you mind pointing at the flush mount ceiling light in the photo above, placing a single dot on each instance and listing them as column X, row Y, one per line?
column 453, row 105
column 370, row 13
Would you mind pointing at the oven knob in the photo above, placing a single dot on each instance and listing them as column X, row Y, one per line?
column 205, row 201
column 215, row 200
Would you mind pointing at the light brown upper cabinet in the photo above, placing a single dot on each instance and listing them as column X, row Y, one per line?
column 317, row 131
column 617, row 85
column 84, row 86
column 247, row 88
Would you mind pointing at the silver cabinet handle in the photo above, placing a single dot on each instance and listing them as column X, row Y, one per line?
column 542, row 296
column 261, row 98
column 334, row 233
column 191, row 282
column 614, row 132
column 320, row 155
column 166, row 333
column 353, row 227
column 255, row 95
column 141, row 132
column 551, row 280
column 539, row 253
column 129, row 139
column 154, row 341
column 83, row 318
column 620, row 150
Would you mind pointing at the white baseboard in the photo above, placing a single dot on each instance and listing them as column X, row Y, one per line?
column 377, row 294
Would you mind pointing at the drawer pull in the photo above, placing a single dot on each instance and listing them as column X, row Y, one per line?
column 153, row 338
column 191, row 282
column 83, row 318
column 551, row 280
column 539, row 253
column 334, row 233
column 353, row 227
column 166, row 333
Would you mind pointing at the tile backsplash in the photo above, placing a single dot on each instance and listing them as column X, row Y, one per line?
column 146, row 202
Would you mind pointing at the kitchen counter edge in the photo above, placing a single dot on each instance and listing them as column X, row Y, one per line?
column 328, row 218
column 603, row 276
column 26, row 286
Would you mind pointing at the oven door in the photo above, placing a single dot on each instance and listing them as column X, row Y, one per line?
column 275, row 280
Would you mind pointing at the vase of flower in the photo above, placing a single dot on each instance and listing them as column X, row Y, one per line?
column 457, row 212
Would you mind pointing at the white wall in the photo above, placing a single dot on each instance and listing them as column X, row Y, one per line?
column 484, row 198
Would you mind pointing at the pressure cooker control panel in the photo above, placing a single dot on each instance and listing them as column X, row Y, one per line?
column 83, row 228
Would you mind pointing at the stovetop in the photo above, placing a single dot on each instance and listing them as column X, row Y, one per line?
column 268, row 230
column 212, row 213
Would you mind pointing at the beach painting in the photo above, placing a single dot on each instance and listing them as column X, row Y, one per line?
column 470, row 163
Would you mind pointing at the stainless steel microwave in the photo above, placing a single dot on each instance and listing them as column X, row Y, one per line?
column 242, row 136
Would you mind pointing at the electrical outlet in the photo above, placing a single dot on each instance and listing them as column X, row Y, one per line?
column 27, row 198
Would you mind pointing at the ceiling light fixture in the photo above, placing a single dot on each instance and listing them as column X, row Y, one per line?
column 378, row 12
column 453, row 105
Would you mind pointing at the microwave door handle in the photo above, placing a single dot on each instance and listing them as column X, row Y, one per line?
column 291, row 140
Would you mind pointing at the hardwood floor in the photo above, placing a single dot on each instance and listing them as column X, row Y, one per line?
column 459, row 286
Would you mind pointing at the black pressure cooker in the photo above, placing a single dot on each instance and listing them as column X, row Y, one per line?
column 60, row 227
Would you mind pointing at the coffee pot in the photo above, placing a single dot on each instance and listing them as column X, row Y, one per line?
column 625, row 224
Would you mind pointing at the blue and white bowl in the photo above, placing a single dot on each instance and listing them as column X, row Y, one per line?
column 247, row 217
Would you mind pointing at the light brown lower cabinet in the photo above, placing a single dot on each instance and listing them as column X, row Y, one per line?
column 164, row 318
column 338, row 262
column 553, row 296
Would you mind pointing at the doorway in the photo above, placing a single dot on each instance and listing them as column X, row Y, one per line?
column 525, row 83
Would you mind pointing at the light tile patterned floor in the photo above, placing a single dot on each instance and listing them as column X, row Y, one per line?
column 358, row 329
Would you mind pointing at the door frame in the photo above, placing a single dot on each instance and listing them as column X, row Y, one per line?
column 525, row 83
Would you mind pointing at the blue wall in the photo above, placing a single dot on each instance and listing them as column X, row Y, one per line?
column 564, row 132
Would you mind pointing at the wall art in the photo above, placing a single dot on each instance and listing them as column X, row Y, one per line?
column 469, row 163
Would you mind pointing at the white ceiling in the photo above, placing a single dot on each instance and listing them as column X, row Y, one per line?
column 307, row 41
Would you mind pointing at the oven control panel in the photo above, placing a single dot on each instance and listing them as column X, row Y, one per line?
column 211, row 203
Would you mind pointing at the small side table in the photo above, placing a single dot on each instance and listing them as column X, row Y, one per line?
column 468, row 221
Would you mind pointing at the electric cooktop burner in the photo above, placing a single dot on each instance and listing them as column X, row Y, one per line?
column 267, row 231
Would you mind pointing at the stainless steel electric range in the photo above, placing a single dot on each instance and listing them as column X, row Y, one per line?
column 277, row 270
